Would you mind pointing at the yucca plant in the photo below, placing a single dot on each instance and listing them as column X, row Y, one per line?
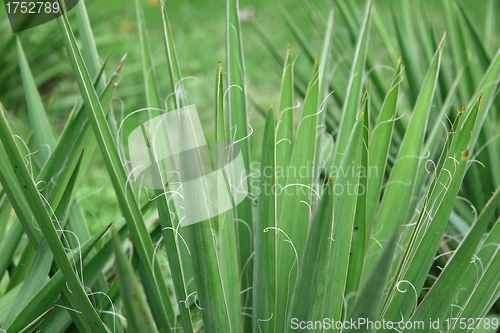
column 374, row 207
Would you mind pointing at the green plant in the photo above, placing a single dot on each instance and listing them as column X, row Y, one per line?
column 359, row 206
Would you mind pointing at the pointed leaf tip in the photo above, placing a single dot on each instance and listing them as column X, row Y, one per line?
column 465, row 154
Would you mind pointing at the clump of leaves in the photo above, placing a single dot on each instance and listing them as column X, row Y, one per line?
column 362, row 212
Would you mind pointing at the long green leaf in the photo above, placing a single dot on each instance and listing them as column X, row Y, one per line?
column 296, row 198
column 402, row 179
column 359, row 233
column 238, row 129
column 151, row 89
column 175, row 72
column 89, row 49
column 379, row 148
column 309, row 292
column 354, row 88
column 153, row 282
column 347, row 188
column 264, row 290
column 44, row 138
column 228, row 247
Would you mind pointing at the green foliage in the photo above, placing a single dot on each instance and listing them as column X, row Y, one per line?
column 359, row 209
